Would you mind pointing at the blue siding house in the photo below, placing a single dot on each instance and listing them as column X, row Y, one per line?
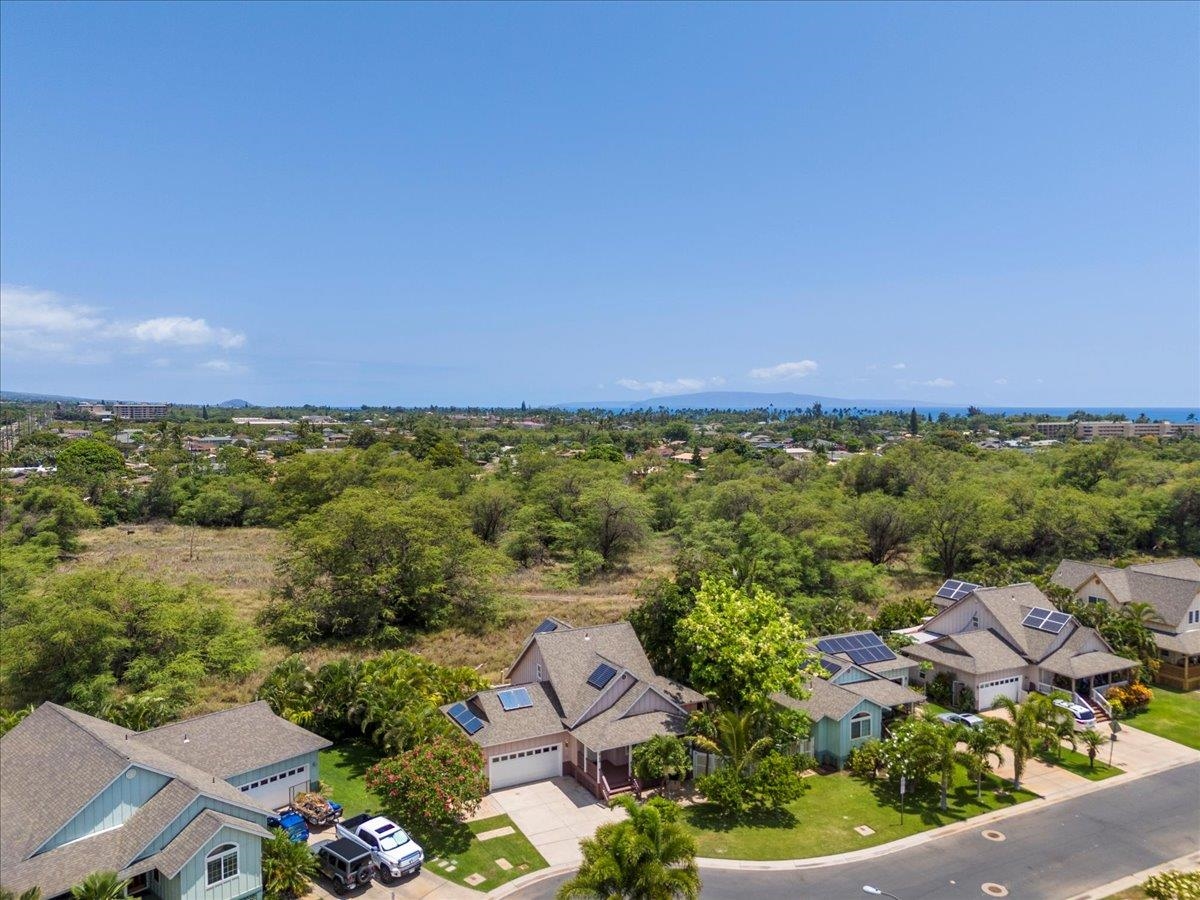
column 179, row 811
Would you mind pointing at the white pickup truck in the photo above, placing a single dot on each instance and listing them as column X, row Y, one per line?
column 395, row 853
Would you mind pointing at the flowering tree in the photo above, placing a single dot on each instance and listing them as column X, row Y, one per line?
column 431, row 786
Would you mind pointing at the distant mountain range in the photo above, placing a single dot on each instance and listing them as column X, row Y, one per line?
column 235, row 404
column 750, row 400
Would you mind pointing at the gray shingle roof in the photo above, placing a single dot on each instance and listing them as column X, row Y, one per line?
column 1188, row 642
column 608, row 731
column 884, row 693
column 54, row 763
column 175, row 855
column 571, row 655
column 826, row 700
column 974, row 652
column 1170, row 586
column 1085, row 665
column 500, row 727
column 1009, row 606
column 234, row 741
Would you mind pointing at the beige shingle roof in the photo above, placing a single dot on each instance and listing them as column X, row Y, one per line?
column 1188, row 642
column 1170, row 586
column 826, row 700
column 500, row 727
column 974, row 652
column 883, row 692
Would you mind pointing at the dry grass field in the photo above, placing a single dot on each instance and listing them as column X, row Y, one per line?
column 237, row 563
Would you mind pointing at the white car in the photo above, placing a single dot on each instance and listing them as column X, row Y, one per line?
column 967, row 720
column 1084, row 717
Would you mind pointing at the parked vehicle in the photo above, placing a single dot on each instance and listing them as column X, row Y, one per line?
column 1084, row 717
column 345, row 862
column 395, row 853
column 291, row 822
column 967, row 720
column 317, row 811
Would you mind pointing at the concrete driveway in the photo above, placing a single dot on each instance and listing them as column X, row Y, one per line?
column 554, row 815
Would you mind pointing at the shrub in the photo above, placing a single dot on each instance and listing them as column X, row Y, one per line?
column 1173, row 886
column 1118, row 707
column 865, row 759
column 940, row 689
column 1137, row 696
column 966, row 700
column 432, row 786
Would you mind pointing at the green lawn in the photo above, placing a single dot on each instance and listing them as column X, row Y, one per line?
column 1172, row 714
column 480, row 857
column 1074, row 761
column 822, row 821
column 342, row 769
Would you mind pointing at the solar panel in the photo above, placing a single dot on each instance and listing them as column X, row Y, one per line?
column 602, row 675
column 953, row 589
column 1048, row 620
column 461, row 713
column 830, row 666
column 828, row 645
column 546, row 626
column 517, row 698
column 870, row 649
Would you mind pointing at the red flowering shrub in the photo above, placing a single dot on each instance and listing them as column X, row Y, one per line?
column 432, row 786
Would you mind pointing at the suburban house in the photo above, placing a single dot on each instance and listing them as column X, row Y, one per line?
column 578, row 701
column 863, row 686
column 1007, row 641
column 1171, row 588
column 181, row 811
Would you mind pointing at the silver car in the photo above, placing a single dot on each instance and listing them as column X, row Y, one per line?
column 967, row 720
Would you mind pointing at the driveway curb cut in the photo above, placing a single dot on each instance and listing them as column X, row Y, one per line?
column 818, row 862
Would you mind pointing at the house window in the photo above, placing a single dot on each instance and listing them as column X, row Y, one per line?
column 1194, row 617
column 1094, row 599
column 974, row 620
column 539, row 671
column 221, row 863
column 860, row 726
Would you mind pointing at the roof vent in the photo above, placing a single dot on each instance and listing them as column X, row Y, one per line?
column 186, row 739
column 586, row 636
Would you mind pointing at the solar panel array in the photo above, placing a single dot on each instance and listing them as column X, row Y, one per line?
column 461, row 713
column 861, row 648
column 955, row 590
column 830, row 666
column 515, row 698
column 602, row 675
column 1046, row 620
column 546, row 626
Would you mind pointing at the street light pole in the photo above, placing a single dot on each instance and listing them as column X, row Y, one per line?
column 876, row 892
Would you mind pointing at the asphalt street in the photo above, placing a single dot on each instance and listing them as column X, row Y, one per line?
column 1050, row 853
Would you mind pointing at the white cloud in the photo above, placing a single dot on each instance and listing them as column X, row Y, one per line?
column 899, row 366
column 937, row 383
column 47, row 326
column 186, row 332
column 222, row 366
column 785, row 371
column 1000, row 381
column 675, row 386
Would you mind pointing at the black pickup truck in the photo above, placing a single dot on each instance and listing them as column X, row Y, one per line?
column 346, row 863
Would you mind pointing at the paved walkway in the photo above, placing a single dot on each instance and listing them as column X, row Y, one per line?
column 554, row 815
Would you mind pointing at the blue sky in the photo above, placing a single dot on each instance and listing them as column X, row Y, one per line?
column 409, row 204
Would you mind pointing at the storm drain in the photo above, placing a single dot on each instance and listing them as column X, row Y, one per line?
column 994, row 890
column 994, row 836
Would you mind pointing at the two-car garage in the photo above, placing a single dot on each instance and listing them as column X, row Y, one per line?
column 1003, row 687
column 521, row 766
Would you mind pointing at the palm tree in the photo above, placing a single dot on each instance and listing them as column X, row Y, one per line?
column 33, row 893
column 735, row 741
column 1024, row 731
column 1092, row 742
column 649, row 856
column 287, row 867
column 941, row 749
column 100, row 886
column 1140, row 612
column 982, row 746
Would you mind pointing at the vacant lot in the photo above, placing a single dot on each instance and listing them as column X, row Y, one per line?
column 237, row 563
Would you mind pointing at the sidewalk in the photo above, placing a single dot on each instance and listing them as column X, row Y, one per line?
column 1189, row 863
column 1141, row 746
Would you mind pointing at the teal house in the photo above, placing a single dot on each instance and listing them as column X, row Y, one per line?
column 862, row 686
column 179, row 811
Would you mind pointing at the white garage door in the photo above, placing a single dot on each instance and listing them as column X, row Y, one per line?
column 525, row 765
column 277, row 789
column 990, row 690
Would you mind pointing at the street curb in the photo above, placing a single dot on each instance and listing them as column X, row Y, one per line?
column 999, row 815
column 1189, row 863
column 868, row 853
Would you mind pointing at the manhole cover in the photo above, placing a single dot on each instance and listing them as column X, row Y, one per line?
column 994, row 890
column 994, row 836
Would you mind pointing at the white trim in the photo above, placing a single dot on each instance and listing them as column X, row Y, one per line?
column 219, row 854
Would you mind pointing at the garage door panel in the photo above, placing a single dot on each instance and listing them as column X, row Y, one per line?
column 277, row 789
column 989, row 691
column 523, row 766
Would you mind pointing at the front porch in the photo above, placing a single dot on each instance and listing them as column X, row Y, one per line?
column 1178, row 670
column 604, row 772
column 1085, row 685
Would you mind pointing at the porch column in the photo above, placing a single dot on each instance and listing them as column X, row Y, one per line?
column 629, row 758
